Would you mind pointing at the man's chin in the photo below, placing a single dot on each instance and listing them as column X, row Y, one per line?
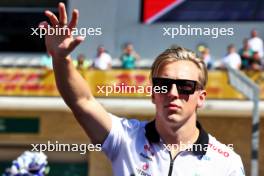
column 174, row 118
column 173, row 121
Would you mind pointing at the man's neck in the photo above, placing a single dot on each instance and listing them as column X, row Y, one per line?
column 179, row 138
column 187, row 133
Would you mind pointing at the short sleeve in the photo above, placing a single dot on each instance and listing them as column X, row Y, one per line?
column 114, row 139
column 237, row 168
column 123, row 131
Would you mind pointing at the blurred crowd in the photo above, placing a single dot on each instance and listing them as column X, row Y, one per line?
column 103, row 59
column 249, row 57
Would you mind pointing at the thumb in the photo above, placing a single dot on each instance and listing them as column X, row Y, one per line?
column 76, row 42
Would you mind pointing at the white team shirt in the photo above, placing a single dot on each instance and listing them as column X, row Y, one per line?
column 134, row 148
column 256, row 44
column 233, row 60
column 102, row 61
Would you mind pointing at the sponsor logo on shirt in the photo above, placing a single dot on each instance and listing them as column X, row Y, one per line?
column 145, row 166
column 142, row 172
column 206, row 158
column 145, row 156
column 148, row 149
column 220, row 151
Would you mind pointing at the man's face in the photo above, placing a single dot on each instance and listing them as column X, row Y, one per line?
column 173, row 108
column 254, row 33
column 231, row 49
column 129, row 49
column 100, row 50
column 246, row 45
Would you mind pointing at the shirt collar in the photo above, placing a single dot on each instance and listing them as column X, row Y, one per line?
column 203, row 139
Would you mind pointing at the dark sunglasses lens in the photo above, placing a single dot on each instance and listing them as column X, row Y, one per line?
column 161, row 82
column 185, row 86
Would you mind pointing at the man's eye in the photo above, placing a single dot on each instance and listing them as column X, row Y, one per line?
column 185, row 87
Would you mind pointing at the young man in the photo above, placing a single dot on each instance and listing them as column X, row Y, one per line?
column 172, row 144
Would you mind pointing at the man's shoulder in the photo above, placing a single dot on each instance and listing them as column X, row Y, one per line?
column 106, row 55
column 224, row 156
column 220, row 150
column 255, row 39
column 130, row 124
column 235, row 55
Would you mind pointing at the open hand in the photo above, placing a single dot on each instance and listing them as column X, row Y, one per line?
column 60, row 45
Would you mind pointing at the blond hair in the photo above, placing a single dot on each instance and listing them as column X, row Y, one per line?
column 175, row 54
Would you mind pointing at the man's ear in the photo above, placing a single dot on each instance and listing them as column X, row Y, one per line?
column 201, row 98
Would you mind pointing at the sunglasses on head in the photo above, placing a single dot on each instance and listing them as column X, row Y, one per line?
column 184, row 86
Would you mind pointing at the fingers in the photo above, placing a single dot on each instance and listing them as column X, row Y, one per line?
column 74, row 20
column 62, row 14
column 43, row 24
column 52, row 17
column 75, row 42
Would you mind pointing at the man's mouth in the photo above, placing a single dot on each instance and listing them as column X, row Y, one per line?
column 173, row 106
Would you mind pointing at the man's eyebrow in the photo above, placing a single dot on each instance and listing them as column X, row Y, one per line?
column 165, row 76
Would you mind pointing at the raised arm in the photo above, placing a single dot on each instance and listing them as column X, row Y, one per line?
column 72, row 87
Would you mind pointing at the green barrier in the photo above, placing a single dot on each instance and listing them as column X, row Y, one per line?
column 19, row 125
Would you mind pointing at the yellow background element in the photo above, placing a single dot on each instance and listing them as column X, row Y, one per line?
column 27, row 82
column 40, row 82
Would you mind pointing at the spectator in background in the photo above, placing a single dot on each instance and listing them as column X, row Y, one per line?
column 232, row 58
column 46, row 61
column 103, row 60
column 246, row 54
column 129, row 57
column 256, row 43
column 82, row 63
column 256, row 61
column 206, row 57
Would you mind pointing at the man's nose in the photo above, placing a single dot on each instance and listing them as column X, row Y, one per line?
column 173, row 92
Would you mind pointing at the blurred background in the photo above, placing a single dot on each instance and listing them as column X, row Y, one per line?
column 131, row 34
